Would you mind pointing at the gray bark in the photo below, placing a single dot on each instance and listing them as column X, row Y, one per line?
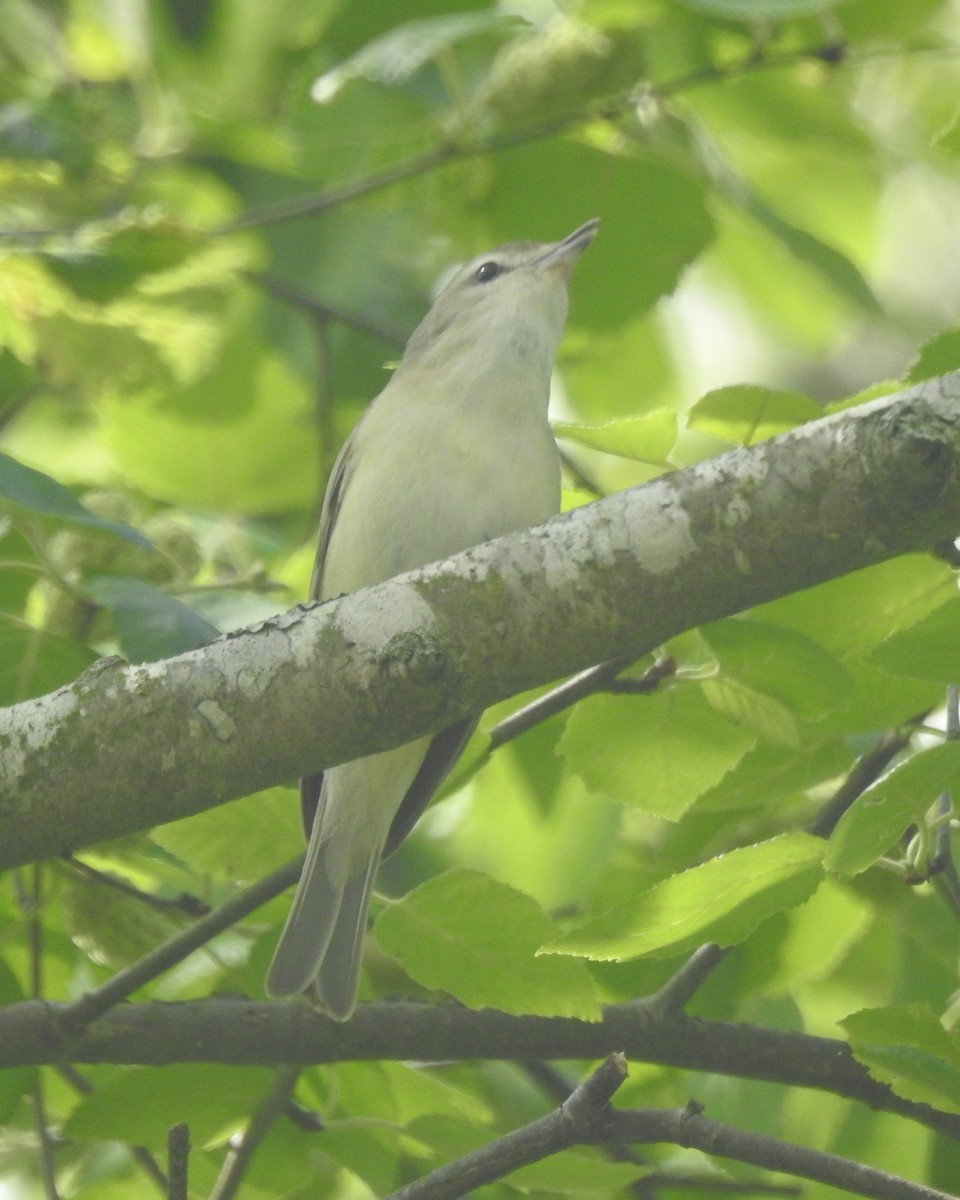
column 127, row 747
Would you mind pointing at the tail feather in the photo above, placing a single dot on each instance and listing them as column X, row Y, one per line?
column 321, row 945
column 338, row 976
column 310, row 926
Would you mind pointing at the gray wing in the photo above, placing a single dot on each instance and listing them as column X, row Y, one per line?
column 311, row 785
column 333, row 497
column 442, row 753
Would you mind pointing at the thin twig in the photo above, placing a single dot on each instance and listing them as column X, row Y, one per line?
column 943, row 870
column 419, row 164
column 178, row 1160
column 243, row 1146
column 29, row 898
column 650, row 1186
column 193, row 906
column 95, row 1003
column 48, row 1168
column 601, row 678
column 327, row 312
column 567, row 1125
column 868, row 768
column 683, row 985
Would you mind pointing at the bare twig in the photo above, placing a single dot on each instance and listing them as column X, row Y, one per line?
column 567, row 1125
column 186, row 903
column 865, row 770
column 419, row 164
column 601, row 678
column 95, row 1003
column 319, row 309
column 683, row 985
column 943, row 869
column 48, row 1166
column 243, row 1146
column 178, row 1158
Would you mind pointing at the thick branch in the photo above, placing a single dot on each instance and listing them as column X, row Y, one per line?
column 242, row 1031
column 127, row 747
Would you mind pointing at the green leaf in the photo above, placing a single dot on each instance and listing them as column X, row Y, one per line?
column 112, row 266
column 236, row 440
column 833, row 266
column 721, row 901
column 394, row 56
column 768, row 774
column 655, row 221
column 33, row 662
column 761, row 10
column 649, row 438
column 928, row 650
column 743, row 706
column 852, row 615
column 38, row 493
column 781, row 663
column 112, row 926
column 907, row 1048
column 939, row 356
column 880, row 814
column 18, row 380
column 575, row 1173
column 149, row 624
column 657, row 753
column 242, row 840
column 744, row 414
column 477, row 939
column 141, row 1103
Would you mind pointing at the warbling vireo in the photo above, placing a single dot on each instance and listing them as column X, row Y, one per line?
column 456, row 449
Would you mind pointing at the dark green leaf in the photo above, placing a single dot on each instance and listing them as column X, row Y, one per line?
column 39, row 493
column 149, row 624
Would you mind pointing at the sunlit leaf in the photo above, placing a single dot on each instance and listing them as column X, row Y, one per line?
column 721, row 901
column 881, row 813
column 744, row 414
column 907, row 1048
column 656, row 753
column 648, row 438
column 477, row 939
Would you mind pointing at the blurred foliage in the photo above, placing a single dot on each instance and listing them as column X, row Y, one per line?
column 218, row 221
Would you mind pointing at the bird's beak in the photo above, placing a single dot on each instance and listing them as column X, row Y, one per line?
column 564, row 254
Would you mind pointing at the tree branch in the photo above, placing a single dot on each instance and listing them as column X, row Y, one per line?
column 616, row 578
column 687, row 1127
column 586, row 1118
column 569, row 1125
column 237, row 1031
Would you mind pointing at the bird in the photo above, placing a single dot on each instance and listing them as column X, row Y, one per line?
column 456, row 449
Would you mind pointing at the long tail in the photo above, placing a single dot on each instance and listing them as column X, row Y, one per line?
column 322, row 941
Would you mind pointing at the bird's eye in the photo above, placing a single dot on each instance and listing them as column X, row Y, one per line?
column 488, row 271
